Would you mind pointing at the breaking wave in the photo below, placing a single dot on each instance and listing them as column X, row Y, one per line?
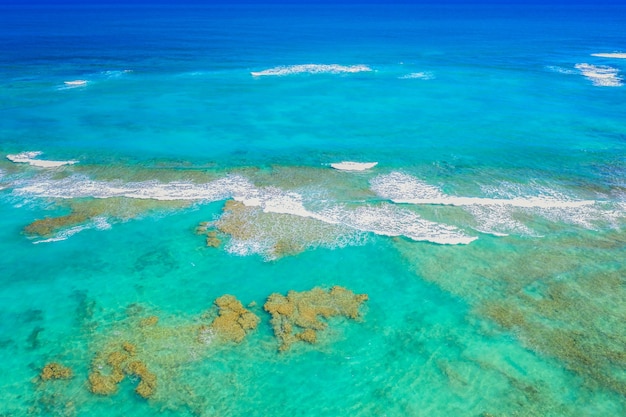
column 353, row 166
column 600, row 75
column 77, row 186
column 500, row 215
column 98, row 223
column 426, row 75
column 312, row 69
column 618, row 55
column 30, row 158
column 385, row 220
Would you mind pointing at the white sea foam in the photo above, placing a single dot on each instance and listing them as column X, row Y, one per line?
column 561, row 70
column 115, row 73
column 388, row 220
column 501, row 215
column 75, row 83
column 312, row 69
column 29, row 158
column 353, row 166
column 418, row 76
column 618, row 55
column 385, row 220
column 402, row 188
column 99, row 223
column 600, row 75
column 77, row 186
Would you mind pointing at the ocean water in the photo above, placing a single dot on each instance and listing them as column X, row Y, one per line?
column 464, row 166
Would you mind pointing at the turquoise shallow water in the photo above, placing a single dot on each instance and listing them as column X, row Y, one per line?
column 489, row 237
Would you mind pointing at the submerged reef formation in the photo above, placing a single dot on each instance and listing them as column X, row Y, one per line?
column 158, row 353
column 106, row 384
column 274, row 235
column 233, row 321
column 546, row 299
column 85, row 211
column 55, row 370
column 298, row 316
column 50, row 225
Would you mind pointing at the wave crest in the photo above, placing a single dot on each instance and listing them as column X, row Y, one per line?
column 29, row 158
column 425, row 75
column 600, row 75
column 312, row 69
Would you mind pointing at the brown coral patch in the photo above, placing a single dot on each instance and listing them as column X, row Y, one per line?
column 50, row 225
column 148, row 380
column 55, row 370
column 103, row 384
column 149, row 321
column 130, row 348
column 233, row 321
column 299, row 315
column 212, row 240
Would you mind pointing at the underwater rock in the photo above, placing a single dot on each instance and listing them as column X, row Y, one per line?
column 55, row 370
column 252, row 229
column 212, row 240
column 308, row 336
column 130, row 348
column 203, row 227
column 103, row 384
column 118, row 361
column 107, row 384
column 298, row 316
column 50, row 225
column 149, row 321
column 233, row 321
column 148, row 381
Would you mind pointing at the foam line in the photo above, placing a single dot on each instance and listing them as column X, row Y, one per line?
column 353, row 166
column 75, row 83
column 29, row 158
column 386, row 220
column 383, row 220
column 311, row 69
column 618, row 55
column 80, row 187
column 98, row 223
column 403, row 188
column 418, row 76
column 600, row 75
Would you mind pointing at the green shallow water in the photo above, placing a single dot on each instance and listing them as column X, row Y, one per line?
column 427, row 343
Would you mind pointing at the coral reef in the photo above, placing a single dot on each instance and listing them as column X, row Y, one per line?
column 212, row 240
column 82, row 211
column 55, row 370
column 546, row 299
column 118, row 362
column 298, row 316
column 148, row 380
column 155, row 354
column 149, row 321
column 50, row 225
column 107, row 384
column 233, row 321
column 276, row 235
